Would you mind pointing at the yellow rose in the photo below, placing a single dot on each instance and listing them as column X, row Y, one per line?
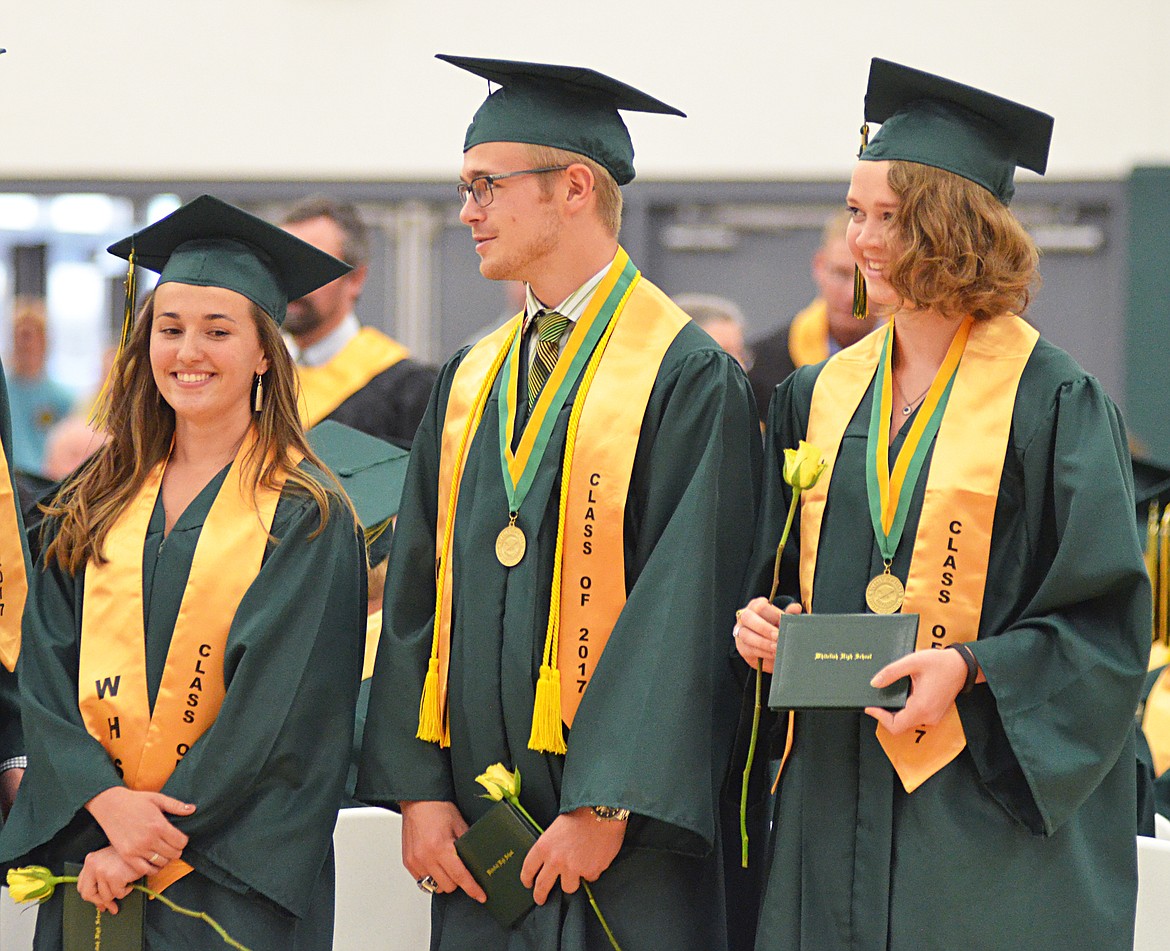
column 500, row 783
column 803, row 466
column 31, row 883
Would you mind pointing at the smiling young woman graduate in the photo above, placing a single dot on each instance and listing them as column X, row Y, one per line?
column 194, row 643
column 997, row 809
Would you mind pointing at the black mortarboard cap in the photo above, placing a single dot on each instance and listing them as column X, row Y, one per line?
column 210, row 243
column 372, row 473
column 964, row 130
column 564, row 107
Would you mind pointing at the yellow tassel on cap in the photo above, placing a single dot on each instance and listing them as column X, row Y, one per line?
column 101, row 406
column 548, row 735
column 860, row 294
column 429, row 715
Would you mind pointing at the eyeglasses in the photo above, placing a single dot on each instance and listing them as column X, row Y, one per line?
column 481, row 188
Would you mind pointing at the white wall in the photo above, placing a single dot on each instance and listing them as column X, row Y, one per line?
column 349, row 88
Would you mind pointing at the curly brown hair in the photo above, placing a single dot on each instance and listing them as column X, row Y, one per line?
column 141, row 426
column 963, row 251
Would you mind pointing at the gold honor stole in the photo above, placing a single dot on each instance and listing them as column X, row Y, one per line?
column 1156, row 722
column 808, row 336
column 13, row 573
column 146, row 746
column 373, row 635
column 326, row 387
column 948, row 566
column 592, row 517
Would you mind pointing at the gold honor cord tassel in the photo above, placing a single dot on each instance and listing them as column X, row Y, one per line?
column 1151, row 559
column 1163, row 585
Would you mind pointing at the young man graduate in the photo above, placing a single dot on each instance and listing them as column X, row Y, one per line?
column 582, row 482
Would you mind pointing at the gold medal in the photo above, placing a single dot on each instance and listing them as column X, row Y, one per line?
column 884, row 594
column 510, row 544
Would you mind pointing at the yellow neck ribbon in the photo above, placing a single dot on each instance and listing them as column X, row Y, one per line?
column 948, row 567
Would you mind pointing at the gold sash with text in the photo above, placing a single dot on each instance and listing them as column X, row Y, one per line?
column 1156, row 722
column 13, row 571
column 948, row 567
column 593, row 579
column 144, row 745
column 326, row 387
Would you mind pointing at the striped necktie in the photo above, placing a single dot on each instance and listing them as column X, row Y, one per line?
column 549, row 327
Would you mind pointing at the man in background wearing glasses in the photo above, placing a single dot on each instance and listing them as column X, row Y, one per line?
column 600, row 455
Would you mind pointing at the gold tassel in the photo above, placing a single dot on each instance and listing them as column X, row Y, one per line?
column 429, row 715
column 860, row 295
column 548, row 734
column 101, row 410
column 258, row 403
column 1163, row 586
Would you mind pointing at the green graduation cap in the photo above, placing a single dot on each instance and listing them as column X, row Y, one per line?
column 372, row 473
column 939, row 122
column 1151, row 483
column 210, row 243
column 564, row 107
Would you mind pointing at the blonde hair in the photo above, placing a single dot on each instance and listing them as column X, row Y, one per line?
column 962, row 250
column 609, row 195
column 141, row 427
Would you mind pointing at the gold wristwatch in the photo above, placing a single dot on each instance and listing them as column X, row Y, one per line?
column 610, row 813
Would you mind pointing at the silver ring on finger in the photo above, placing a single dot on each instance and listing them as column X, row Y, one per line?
column 155, row 859
column 735, row 631
column 428, row 884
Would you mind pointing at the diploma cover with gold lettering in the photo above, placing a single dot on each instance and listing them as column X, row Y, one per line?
column 124, row 931
column 826, row 661
column 493, row 850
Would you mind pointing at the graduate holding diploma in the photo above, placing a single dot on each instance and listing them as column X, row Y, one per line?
column 194, row 638
column 566, row 555
column 979, row 478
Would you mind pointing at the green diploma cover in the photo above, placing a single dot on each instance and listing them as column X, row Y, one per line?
column 826, row 661
column 80, row 922
column 493, row 850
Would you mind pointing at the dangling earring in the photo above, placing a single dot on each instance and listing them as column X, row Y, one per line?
column 258, row 402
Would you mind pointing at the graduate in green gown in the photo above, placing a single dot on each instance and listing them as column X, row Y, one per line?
column 631, row 801
column 195, row 632
column 15, row 560
column 997, row 810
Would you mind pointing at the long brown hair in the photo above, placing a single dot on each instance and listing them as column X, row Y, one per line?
column 142, row 425
column 962, row 251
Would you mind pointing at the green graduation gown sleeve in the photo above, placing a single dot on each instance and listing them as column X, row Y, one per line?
column 1027, row 838
column 267, row 776
column 654, row 728
column 11, row 738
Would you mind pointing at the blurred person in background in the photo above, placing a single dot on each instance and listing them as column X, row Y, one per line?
column 825, row 326
column 37, row 402
column 349, row 373
column 723, row 321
